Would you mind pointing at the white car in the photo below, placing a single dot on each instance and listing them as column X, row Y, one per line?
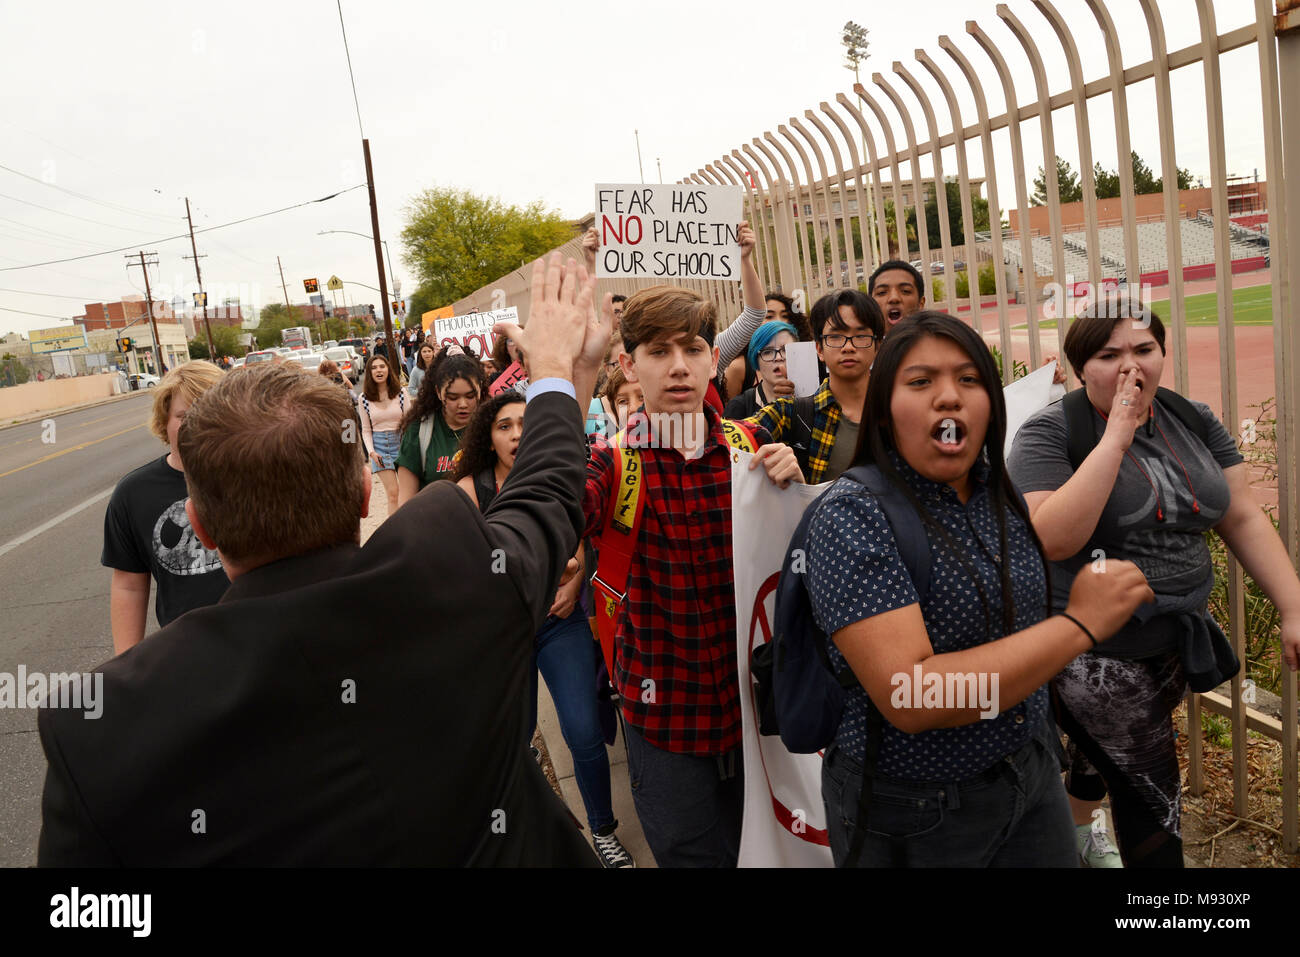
column 330, row 344
column 143, row 380
column 348, row 361
column 308, row 360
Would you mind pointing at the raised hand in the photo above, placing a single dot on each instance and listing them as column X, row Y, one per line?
column 560, row 318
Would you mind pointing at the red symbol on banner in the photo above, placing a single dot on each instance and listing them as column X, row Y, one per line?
column 784, row 815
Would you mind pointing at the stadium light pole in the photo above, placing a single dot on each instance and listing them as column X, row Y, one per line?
column 854, row 39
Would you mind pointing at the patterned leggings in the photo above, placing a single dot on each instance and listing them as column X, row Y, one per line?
column 1118, row 715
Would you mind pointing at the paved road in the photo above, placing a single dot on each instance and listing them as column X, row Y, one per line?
column 53, row 591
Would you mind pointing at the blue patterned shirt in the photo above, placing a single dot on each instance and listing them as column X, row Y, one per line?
column 856, row 572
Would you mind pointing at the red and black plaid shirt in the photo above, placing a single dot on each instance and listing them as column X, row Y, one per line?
column 676, row 636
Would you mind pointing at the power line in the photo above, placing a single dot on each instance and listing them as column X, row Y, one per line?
column 49, row 209
column 184, row 235
column 48, row 232
column 350, row 74
column 89, row 199
column 24, row 312
column 55, row 295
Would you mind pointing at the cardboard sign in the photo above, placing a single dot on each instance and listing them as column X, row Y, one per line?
column 474, row 330
column 510, row 379
column 668, row 231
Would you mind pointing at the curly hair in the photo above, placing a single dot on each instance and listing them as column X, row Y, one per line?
column 476, row 451
column 445, row 370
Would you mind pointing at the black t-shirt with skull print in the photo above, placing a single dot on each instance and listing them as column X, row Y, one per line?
column 146, row 530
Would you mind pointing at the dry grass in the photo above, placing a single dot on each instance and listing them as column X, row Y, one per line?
column 1213, row 834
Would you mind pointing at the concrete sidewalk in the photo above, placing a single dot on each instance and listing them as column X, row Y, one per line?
column 629, row 829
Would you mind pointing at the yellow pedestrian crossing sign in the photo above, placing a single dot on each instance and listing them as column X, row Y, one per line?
column 335, row 284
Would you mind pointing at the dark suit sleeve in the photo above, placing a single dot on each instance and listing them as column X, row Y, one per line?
column 69, row 837
column 537, row 516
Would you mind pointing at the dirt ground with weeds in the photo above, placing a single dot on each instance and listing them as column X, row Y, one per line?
column 1213, row 835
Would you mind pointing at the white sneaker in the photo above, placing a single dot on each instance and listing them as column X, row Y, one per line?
column 1095, row 847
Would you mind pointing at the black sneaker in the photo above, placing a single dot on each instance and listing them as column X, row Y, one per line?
column 610, row 850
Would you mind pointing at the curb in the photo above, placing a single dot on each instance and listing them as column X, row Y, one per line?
column 37, row 416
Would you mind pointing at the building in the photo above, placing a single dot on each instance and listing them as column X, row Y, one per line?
column 119, row 315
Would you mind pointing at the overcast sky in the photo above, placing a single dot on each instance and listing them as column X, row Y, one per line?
column 246, row 107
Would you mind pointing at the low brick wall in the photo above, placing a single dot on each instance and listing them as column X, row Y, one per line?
column 32, row 397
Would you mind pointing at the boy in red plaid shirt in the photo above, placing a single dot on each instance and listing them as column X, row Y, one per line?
column 675, row 643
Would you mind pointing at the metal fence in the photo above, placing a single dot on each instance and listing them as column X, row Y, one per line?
column 819, row 191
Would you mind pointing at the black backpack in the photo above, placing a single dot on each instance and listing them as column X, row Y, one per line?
column 1081, row 427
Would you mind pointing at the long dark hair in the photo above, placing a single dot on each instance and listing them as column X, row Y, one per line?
column 445, row 369
column 476, row 451
column 877, row 441
column 392, row 385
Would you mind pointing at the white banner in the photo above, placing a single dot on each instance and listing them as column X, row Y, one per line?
column 1027, row 395
column 785, row 820
column 668, row 231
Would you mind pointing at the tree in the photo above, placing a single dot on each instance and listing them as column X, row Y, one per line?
column 225, row 340
column 271, row 320
column 12, row 371
column 418, row 304
column 1144, row 181
column 1067, row 184
column 1107, row 182
column 458, row 242
column 952, row 191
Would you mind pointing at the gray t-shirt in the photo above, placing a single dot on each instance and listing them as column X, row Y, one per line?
column 1167, row 468
column 846, row 443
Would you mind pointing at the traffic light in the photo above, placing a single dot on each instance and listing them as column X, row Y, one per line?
column 125, row 345
column 372, row 310
column 312, row 285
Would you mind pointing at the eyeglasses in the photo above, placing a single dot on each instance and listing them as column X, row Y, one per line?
column 772, row 355
column 837, row 341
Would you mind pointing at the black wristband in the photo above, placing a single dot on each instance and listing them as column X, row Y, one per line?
column 1081, row 626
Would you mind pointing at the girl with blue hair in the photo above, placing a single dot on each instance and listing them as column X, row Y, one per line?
column 766, row 356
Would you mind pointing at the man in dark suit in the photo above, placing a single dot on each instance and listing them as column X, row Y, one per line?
column 297, row 722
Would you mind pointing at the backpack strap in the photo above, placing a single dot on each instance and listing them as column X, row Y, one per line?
column 805, row 409
column 906, row 524
column 1186, row 413
column 616, row 544
column 739, row 435
column 426, row 436
column 914, row 549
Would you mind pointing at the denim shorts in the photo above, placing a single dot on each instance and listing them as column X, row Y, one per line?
column 386, row 445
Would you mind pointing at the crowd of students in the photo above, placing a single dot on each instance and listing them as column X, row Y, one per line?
column 1101, row 648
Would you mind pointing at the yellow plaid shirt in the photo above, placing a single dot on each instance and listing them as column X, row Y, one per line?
column 779, row 420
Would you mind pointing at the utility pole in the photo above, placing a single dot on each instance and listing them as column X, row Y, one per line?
column 148, row 302
column 394, row 349
column 212, row 352
column 637, row 134
column 661, row 169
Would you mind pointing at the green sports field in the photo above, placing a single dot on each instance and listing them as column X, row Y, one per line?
column 1251, row 306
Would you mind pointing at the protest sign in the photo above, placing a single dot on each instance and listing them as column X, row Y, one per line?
column 473, row 330
column 1026, row 396
column 510, row 379
column 785, row 820
column 801, row 367
column 668, row 231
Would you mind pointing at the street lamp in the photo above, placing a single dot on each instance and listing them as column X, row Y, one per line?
column 854, row 39
column 397, row 283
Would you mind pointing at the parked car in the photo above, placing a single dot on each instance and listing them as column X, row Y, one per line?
column 348, row 361
column 237, row 363
column 266, row 355
column 310, row 361
column 359, row 345
column 143, row 380
column 330, row 344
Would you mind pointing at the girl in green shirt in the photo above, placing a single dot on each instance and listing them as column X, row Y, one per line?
column 432, row 428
